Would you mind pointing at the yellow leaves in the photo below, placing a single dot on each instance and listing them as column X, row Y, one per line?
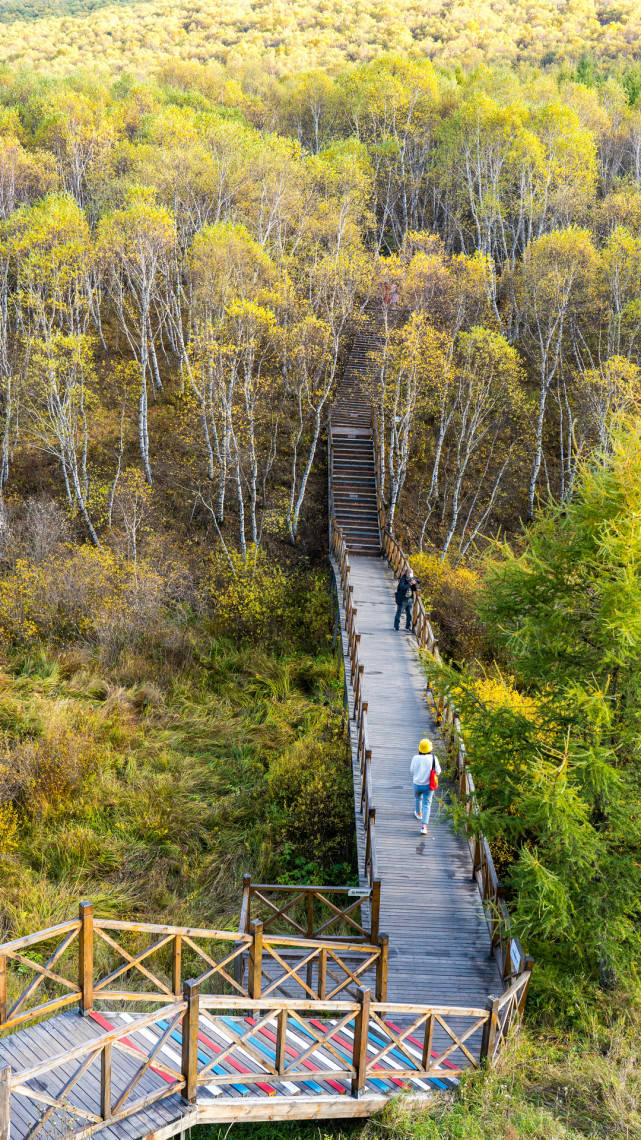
column 8, row 828
column 250, row 596
column 79, row 593
column 288, row 37
column 226, row 262
column 602, row 394
column 138, row 234
column 49, row 244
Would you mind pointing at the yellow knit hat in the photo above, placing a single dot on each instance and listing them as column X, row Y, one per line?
column 425, row 746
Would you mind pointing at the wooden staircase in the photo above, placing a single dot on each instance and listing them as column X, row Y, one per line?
column 351, row 451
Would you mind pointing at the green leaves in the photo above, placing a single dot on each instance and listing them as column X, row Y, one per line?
column 555, row 748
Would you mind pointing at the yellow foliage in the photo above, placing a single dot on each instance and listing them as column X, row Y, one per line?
column 86, row 592
column 283, row 37
column 449, row 593
column 250, row 595
column 8, row 828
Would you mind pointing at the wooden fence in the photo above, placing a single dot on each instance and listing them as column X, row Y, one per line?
column 89, row 959
column 313, row 911
column 511, row 958
column 364, row 752
column 368, row 1040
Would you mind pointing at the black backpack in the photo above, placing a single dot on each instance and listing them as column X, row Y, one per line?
column 402, row 590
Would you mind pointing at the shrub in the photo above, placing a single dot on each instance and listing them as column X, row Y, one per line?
column 86, row 593
column 449, row 593
column 310, row 788
column 251, row 598
column 44, row 773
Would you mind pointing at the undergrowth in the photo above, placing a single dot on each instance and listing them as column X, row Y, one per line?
column 151, row 790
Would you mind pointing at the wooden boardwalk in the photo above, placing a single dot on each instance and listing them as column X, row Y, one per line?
column 247, row 1067
column 258, row 1024
column 430, row 905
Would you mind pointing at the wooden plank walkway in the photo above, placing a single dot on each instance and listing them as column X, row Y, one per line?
column 430, row 906
column 236, row 1071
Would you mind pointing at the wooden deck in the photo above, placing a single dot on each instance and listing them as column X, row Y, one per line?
column 237, row 1072
column 439, row 950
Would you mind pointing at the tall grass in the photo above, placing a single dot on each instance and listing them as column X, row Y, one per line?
column 152, row 790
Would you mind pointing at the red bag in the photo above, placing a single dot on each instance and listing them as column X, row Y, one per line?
column 433, row 777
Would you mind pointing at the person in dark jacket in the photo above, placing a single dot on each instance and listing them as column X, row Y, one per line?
column 404, row 598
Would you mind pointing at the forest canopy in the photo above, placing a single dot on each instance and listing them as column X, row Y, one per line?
column 59, row 36
column 185, row 261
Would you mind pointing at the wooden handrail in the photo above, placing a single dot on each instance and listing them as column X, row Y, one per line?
column 337, row 905
column 357, row 670
column 474, row 1036
column 504, row 946
column 86, row 983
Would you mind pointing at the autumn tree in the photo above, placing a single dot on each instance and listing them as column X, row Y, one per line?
column 134, row 246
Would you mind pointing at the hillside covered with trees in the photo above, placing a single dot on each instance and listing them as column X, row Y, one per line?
column 252, row 36
column 185, row 259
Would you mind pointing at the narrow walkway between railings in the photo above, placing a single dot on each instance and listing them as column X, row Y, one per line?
column 439, row 948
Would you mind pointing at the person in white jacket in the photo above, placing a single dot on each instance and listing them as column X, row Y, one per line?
column 421, row 768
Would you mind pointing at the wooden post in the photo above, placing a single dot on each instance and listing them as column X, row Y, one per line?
column 3, row 988
column 427, row 1041
column 281, row 1040
column 5, row 1103
column 190, row 1041
column 506, row 972
column 176, row 966
column 369, row 821
column 382, row 966
column 489, row 1031
column 85, row 957
column 527, row 965
column 375, row 910
column 322, row 974
column 476, row 858
column 361, row 1034
column 256, row 959
column 246, row 903
column 105, row 1081
column 310, row 934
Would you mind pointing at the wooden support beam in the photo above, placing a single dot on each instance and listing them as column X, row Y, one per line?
column 375, row 905
column 382, row 968
column 105, row 1081
column 281, row 1040
column 322, row 974
column 176, row 965
column 191, row 994
column 427, row 1041
column 5, row 1103
column 85, row 957
column 361, row 1035
column 256, row 959
column 489, row 1031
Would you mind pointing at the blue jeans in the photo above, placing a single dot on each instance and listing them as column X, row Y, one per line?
column 407, row 605
column 423, row 795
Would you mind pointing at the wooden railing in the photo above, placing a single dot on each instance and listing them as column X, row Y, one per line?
column 367, row 1039
column 72, row 1119
column 512, row 960
column 89, row 959
column 364, row 753
column 313, row 911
